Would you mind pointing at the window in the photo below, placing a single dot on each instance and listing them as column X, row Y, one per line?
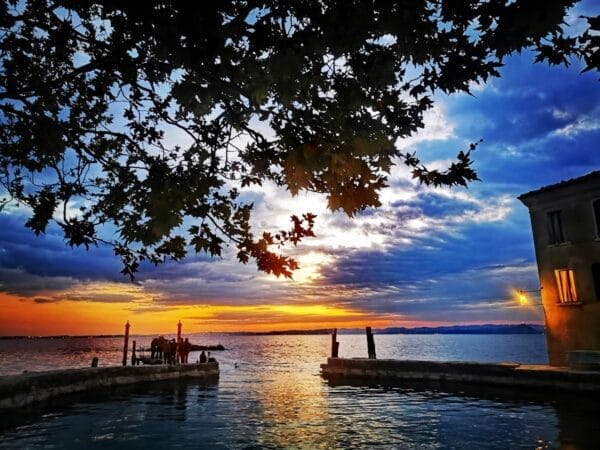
column 565, row 279
column 596, row 207
column 596, row 277
column 555, row 229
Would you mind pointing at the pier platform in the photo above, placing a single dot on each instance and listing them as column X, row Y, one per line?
column 17, row 391
column 515, row 375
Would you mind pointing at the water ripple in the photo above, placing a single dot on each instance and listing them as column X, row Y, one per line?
column 275, row 399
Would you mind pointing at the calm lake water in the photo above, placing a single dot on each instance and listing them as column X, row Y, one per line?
column 270, row 395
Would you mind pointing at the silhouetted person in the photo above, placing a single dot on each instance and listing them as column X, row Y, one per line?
column 202, row 357
column 160, row 347
column 165, row 349
column 173, row 351
column 186, row 346
column 154, row 350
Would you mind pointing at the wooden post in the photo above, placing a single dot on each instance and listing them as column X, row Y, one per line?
column 126, row 343
column 177, row 356
column 133, row 357
column 370, row 344
column 95, row 361
column 335, row 345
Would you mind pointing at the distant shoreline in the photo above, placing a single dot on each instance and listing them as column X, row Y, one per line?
column 524, row 328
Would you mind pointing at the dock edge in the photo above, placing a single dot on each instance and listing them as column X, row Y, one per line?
column 17, row 391
column 500, row 374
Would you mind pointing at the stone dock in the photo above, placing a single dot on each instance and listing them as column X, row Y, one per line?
column 18, row 391
column 513, row 375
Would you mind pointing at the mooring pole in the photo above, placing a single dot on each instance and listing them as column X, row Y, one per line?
column 125, row 344
column 133, row 357
column 335, row 345
column 370, row 344
column 178, row 357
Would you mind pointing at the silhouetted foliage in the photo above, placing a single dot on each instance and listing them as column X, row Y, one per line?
column 309, row 95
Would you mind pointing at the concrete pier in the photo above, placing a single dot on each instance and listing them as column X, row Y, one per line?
column 502, row 374
column 17, row 391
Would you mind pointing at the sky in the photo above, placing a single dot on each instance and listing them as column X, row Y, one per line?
column 426, row 257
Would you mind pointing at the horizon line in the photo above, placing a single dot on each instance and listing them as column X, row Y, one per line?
column 276, row 332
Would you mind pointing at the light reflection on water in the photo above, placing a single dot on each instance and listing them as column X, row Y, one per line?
column 278, row 352
column 275, row 398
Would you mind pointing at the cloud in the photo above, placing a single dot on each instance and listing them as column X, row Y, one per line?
column 42, row 300
column 533, row 133
column 427, row 254
column 438, row 127
column 22, row 283
column 582, row 124
column 47, row 255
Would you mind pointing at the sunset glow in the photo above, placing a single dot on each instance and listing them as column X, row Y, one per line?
column 80, row 317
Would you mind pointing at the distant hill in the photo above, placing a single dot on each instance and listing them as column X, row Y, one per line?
column 281, row 332
column 523, row 328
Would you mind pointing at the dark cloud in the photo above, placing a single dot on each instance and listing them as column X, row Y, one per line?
column 30, row 264
column 47, row 255
column 432, row 204
column 42, row 300
column 21, row 283
column 102, row 297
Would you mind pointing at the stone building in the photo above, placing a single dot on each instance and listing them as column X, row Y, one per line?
column 565, row 218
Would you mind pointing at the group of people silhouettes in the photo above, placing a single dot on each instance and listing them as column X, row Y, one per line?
column 204, row 357
column 169, row 352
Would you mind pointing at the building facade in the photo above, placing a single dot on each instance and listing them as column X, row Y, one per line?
column 565, row 218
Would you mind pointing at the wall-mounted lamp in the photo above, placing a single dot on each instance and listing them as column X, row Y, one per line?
column 524, row 300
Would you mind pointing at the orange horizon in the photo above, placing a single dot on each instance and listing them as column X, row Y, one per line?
column 24, row 317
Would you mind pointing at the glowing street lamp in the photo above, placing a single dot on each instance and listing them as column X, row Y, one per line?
column 524, row 300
